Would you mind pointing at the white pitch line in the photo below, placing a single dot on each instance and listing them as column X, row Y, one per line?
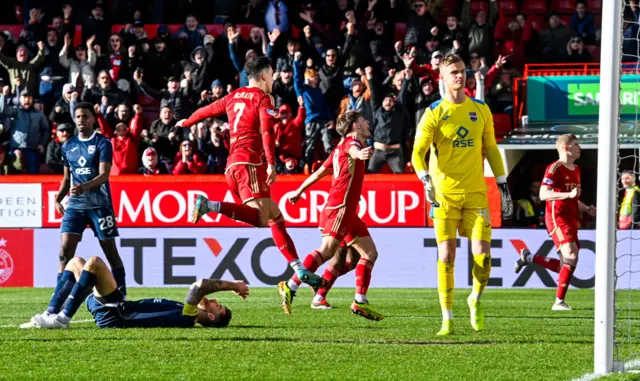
column 73, row 322
column 629, row 365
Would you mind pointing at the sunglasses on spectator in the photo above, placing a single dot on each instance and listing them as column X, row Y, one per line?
column 575, row 40
column 418, row 6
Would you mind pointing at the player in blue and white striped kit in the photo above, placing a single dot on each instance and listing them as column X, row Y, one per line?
column 87, row 159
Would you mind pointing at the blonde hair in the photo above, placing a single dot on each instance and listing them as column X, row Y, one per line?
column 450, row 59
column 565, row 140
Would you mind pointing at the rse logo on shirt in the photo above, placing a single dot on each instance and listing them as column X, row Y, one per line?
column 461, row 142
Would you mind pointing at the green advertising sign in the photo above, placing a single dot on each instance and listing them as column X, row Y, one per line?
column 576, row 98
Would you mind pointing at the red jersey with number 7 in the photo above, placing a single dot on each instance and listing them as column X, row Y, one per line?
column 251, row 117
column 348, row 175
column 562, row 179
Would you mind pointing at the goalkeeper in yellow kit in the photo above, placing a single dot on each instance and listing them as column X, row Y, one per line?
column 457, row 129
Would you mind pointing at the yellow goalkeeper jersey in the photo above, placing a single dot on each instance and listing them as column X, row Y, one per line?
column 457, row 135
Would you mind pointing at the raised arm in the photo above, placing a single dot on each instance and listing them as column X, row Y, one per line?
column 204, row 287
column 298, row 74
column 214, row 109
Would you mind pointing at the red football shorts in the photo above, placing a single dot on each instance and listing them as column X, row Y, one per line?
column 248, row 182
column 562, row 232
column 343, row 224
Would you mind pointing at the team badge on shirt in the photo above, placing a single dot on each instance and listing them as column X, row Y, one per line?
column 91, row 150
column 547, row 181
column 272, row 113
column 473, row 116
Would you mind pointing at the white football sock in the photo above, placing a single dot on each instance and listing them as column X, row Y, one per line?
column 292, row 285
column 361, row 298
column 318, row 298
column 296, row 265
column 475, row 295
column 447, row 314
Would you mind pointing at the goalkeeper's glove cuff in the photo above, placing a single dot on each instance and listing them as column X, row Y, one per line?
column 501, row 179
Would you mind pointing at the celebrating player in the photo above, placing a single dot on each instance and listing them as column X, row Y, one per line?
column 106, row 301
column 561, row 190
column 347, row 163
column 251, row 115
column 87, row 163
column 459, row 128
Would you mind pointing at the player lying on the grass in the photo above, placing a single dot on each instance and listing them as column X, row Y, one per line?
column 251, row 164
column 347, row 163
column 94, row 282
column 561, row 190
column 87, row 160
column 458, row 129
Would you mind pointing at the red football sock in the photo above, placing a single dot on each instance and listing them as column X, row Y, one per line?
column 548, row 263
column 282, row 239
column 311, row 262
column 363, row 275
column 241, row 212
column 566, row 272
column 331, row 274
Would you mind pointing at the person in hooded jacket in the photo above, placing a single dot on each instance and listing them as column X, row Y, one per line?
column 359, row 99
column 200, row 70
column 125, row 150
column 151, row 165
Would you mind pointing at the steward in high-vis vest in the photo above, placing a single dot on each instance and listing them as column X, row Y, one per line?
column 529, row 211
column 629, row 215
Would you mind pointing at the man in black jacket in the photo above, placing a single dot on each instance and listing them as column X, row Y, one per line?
column 173, row 96
column 389, row 131
column 162, row 135
column 420, row 24
column 283, row 89
column 61, row 112
column 54, row 150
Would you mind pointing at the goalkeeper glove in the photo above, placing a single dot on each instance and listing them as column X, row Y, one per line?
column 429, row 190
column 507, row 203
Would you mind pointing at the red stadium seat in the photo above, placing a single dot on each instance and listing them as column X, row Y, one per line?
column 508, row 7
column 594, row 50
column 537, row 22
column 566, row 20
column 594, row 6
column 502, row 124
column 534, row 7
column 597, row 19
column 449, row 7
column 479, row 5
column 563, row 6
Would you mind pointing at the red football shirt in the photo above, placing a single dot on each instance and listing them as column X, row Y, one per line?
column 562, row 179
column 348, row 175
column 251, row 118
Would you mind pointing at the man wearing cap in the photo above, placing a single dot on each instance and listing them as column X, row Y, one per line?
column 22, row 71
column 283, row 89
column 173, row 95
column 289, row 140
column 64, row 131
column 151, row 165
column 61, row 111
column 209, row 96
column 28, row 131
column 360, row 97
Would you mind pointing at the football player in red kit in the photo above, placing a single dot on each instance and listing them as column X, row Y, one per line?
column 561, row 190
column 341, row 221
column 251, row 162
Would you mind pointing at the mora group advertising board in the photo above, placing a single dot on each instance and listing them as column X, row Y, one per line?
column 167, row 201
column 407, row 257
column 576, row 98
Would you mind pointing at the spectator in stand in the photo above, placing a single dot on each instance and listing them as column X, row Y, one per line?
column 319, row 118
column 359, row 98
column 254, row 12
column 529, row 211
column 514, row 40
column 61, row 112
column 64, row 132
column 289, row 140
column 188, row 162
column 151, row 165
column 481, row 34
column 331, row 71
column 119, row 61
column 283, row 89
column 81, row 69
column 500, row 97
column 553, row 41
column 96, row 25
column 28, row 131
column 35, row 31
column 420, row 25
column 381, row 42
column 257, row 41
column 162, row 135
column 157, row 65
column 631, row 30
column 390, row 128
column 104, row 90
column 629, row 215
column 454, row 38
column 583, row 24
column 213, row 148
column 293, row 46
column 10, row 165
column 277, row 16
column 236, row 57
column 200, row 70
column 125, row 150
column 8, row 49
column 417, row 96
column 209, row 96
column 173, row 95
column 576, row 51
column 22, row 71
column 191, row 33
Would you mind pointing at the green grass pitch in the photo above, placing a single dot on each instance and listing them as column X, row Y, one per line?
column 524, row 340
